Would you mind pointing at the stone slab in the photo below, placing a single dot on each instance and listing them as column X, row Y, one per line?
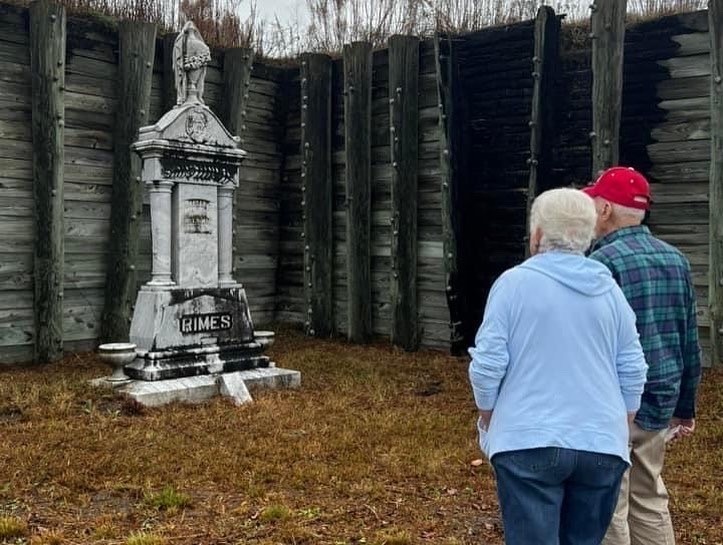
column 232, row 385
column 201, row 388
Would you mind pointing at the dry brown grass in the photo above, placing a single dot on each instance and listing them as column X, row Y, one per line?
column 374, row 448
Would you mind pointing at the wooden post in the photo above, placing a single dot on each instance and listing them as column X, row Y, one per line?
column 715, row 281
column 544, row 62
column 47, row 64
column 608, row 37
column 317, row 193
column 169, row 77
column 237, row 67
column 404, row 144
column 357, row 125
column 448, row 123
column 137, row 50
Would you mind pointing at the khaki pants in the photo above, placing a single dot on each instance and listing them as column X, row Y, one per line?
column 641, row 516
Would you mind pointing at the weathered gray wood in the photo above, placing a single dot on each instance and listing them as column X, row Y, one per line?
column 357, row 129
column 715, row 282
column 608, row 36
column 137, row 51
column 443, row 54
column 237, row 66
column 169, row 79
column 404, row 143
column 47, row 58
column 317, row 192
column 544, row 62
column 687, row 67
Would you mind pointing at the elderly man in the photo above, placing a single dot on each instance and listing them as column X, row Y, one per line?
column 557, row 372
column 655, row 278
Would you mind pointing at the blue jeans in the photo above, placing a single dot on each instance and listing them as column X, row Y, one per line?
column 557, row 496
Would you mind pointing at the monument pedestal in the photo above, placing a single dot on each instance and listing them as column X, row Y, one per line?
column 183, row 332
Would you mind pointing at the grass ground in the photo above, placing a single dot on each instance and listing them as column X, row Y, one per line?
column 375, row 448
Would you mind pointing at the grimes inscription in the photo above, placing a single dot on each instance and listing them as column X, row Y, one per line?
column 201, row 323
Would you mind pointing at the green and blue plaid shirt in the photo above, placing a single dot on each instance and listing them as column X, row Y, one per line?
column 655, row 278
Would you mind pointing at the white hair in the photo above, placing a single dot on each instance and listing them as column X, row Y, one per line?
column 566, row 217
column 634, row 214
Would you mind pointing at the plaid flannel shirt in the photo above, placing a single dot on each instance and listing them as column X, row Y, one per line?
column 655, row 278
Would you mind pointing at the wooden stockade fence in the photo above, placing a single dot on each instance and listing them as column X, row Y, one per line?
column 404, row 147
column 383, row 191
column 316, row 193
column 47, row 43
column 358, row 162
column 608, row 46
column 715, row 276
column 136, row 43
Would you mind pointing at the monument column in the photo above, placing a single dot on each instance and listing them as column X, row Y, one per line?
column 225, row 235
column 160, row 193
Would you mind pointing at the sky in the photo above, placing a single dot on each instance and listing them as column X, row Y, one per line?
column 288, row 11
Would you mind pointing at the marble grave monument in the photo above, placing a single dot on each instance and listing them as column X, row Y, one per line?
column 192, row 318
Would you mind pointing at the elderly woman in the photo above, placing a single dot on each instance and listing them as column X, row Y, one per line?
column 557, row 372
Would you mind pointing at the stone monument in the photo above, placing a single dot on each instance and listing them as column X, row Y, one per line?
column 192, row 318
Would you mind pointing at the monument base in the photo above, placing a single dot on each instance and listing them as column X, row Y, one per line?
column 201, row 388
column 186, row 332
column 190, row 362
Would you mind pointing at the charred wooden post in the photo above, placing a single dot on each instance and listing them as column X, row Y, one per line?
column 317, row 193
column 544, row 63
column 137, row 48
column 47, row 64
column 169, row 79
column 715, row 283
column 404, row 145
column 608, row 37
column 447, row 120
column 358, row 136
column 237, row 69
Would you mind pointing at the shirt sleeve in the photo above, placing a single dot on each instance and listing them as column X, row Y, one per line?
column 690, row 379
column 630, row 360
column 490, row 355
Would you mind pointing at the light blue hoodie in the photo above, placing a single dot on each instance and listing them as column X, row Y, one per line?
column 557, row 358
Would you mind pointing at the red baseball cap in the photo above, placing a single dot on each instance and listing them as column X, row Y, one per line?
column 622, row 185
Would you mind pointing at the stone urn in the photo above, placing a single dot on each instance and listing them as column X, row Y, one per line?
column 264, row 338
column 117, row 355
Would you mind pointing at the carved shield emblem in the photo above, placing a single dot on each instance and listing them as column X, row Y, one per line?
column 196, row 124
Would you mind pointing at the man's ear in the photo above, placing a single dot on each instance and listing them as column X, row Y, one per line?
column 606, row 210
column 535, row 238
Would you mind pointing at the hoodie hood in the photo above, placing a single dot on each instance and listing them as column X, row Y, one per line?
column 574, row 271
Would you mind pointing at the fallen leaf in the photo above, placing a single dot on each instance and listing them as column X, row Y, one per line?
column 476, row 463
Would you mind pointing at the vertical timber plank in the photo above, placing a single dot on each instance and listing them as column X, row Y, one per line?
column 137, row 51
column 545, row 61
column 237, row 67
column 317, row 193
column 47, row 56
column 169, row 78
column 608, row 37
column 715, row 282
column 404, row 143
column 447, row 124
column 357, row 125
